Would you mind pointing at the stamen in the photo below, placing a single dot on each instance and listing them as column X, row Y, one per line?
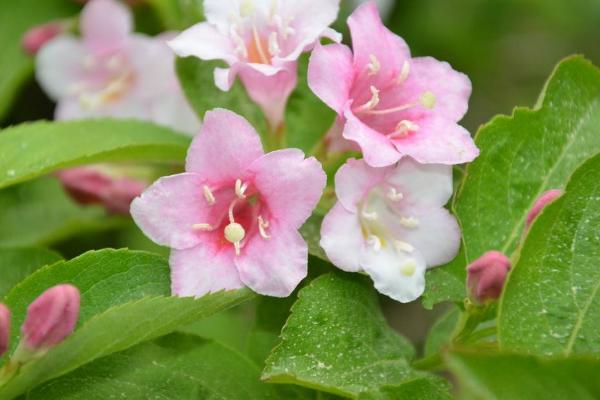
column 203, row 227
column 403, row 128
column 374, row 65
column 394, row 195
column 409, row 222
column 403, row 246
column 369, row 216
column 403, row 73
column 261, row 52
column 262, row 226
column 114, row 63
column 240, row 48
column 372, row 103
column 274, row 44
column 208, row 195
column 240, row 189
column 235, row 233
column 426, row 100
column 408, row 268
column 374, row 242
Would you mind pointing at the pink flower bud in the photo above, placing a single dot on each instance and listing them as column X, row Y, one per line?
column 486, row 276
column 542, row 201
column 4, row 328
column 38, row 36
column 51, row 317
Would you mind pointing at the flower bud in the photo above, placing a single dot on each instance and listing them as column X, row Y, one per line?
column 486, row 276
column 542, row 201
column 4, row 328
column 51, row 317
column 38, row 36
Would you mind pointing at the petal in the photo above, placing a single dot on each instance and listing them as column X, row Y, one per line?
column 58, row 65
column 290, row 185
column 275, row 266
column 166, row 211
column 342, row 239
column 439, row 141
column 173, row 110
column 371, row 38
column 205, row 42
column 154, row 66
column 203, row 269
column 224, row 78
column 354, row 180
column 377, row 149
column 330, row 75
column 226, row 145
column 221, row 12
column 452, row 89
column 385, row 268
column 422, row 184
column 105, row 25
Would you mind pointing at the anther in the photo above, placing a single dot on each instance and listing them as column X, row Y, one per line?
column 374, row 65
column 403, row 73
column 408, row 268
column 240, row 189
column 403, row 128
column 203, row 227
column 374, row 242
column 208, row 195
column 403, row 246
column 369, row 216
column 394, row 195
column 274, row 44
column 262, row 226
column 409, row 222
column 372, row 103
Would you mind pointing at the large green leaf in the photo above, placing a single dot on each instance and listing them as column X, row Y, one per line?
column 337, row 340
column 521, row 157
column 425, row 388
column 122, row 304
column 440, row 334
column 39, row 212
column 551, row 304
column 18, row 263
column 15, row 18
column 493, row 376
column 34, row 149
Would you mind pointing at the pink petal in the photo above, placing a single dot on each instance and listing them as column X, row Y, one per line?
column 354, row 180
column 105, row 25
column 342, row 239
column 385, row 268
column 452, row 89
column 59, row 66
column 203, row 269
column 371, row 38
column 422, row 184
column 330, row 75
column 226, row 145
column 439, row 141
column 377, row 149
column 154, row 66
column 290, row 185
column 173, row 110
column 167, row 210
column 275, row 266
column 205, row 42
column 220, row 13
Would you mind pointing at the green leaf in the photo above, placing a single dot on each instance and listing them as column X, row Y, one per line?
column 178, row 14
column 16, row 264
column 427, row 388
column 441, row 332
column 522, row 156
column 336, row 340
column 497, row 376
column 122, row 304
column 551, row 303
column 15, row 18
column 40, row 213
column 198, row 82
column 33, row 149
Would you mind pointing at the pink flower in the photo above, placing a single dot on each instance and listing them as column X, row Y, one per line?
column 97, row 184
column 261, row 41
column 232, row 219
column 51, row 317
column 4, row 328
column 486, row 276
column 112, row 72
column 545, row 199
column 38, row 36
column 390, row 223
column 393, row 105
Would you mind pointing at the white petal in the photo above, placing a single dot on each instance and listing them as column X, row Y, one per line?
column 342, row 239
column 59, row 64
column 423, row 184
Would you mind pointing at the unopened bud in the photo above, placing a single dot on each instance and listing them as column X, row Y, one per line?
column 542, row 201
column 486, row 276
column 51, row 317
column 4, row 328
column 38, row 36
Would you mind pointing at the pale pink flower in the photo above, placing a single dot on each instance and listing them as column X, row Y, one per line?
column 393, row 105
column 51, row 317
column 540, row 203
column 4, row 328
column 112, row 72
column 39, row 35
column 232, row 219
column 486, row 276
column 259, row 40
column 391, row 223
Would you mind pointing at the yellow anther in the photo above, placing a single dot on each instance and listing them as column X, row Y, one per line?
column 262, row 227
column 203, row 227
column 403, row 73
column 374, row 242
column 240, row 189
column 403, row 246
column 374, row 65
column 208, row 195
column 409, row 222
column 394, row 195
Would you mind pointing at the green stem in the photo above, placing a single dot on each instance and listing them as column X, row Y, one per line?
column 434, row 362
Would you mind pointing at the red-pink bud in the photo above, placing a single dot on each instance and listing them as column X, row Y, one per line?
column 542, row 201
column 486, row 276
column 38, row 36
column 51, row 317
column 4, row 328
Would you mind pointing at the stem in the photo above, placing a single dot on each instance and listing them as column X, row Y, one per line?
column 434, row 362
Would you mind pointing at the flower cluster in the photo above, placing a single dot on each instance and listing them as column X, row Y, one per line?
column 232, row 218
